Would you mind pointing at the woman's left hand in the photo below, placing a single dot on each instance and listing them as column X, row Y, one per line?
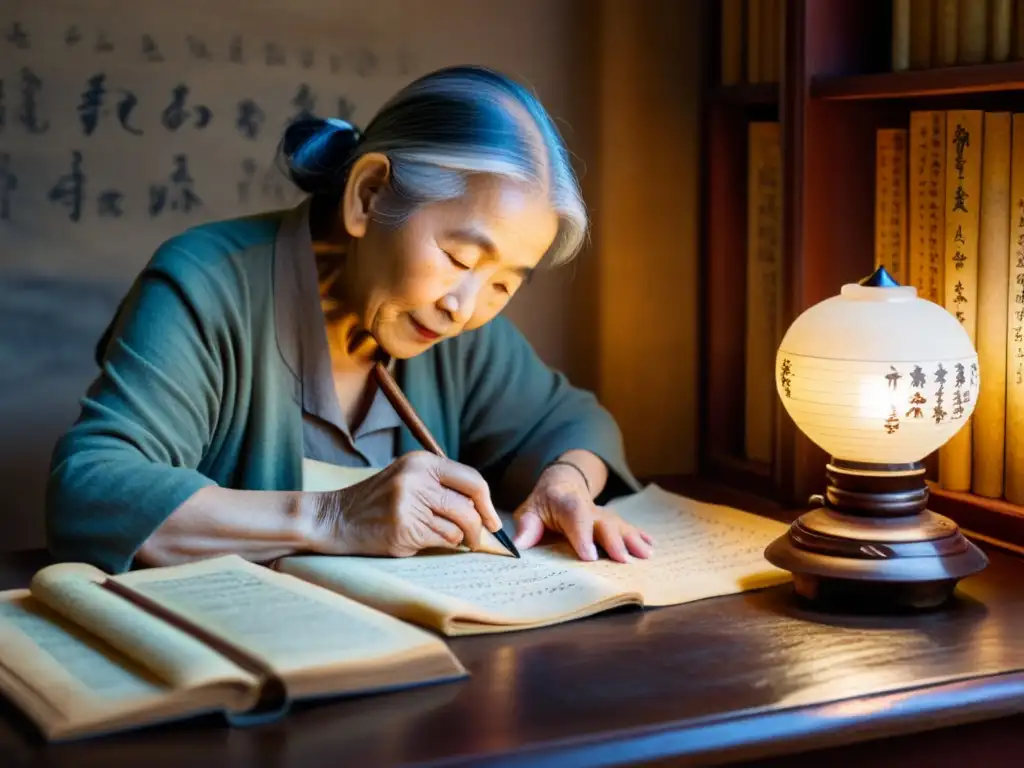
column 561, row 502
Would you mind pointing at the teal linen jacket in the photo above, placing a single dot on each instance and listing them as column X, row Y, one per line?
column 193, row 390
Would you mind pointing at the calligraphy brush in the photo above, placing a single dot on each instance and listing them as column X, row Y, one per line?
column 398, row 400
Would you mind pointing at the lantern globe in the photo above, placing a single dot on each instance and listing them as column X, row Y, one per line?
column 879, row 378
column 878, row 374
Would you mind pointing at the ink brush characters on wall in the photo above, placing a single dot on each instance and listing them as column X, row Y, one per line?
column 121, row 127
column 79, row 104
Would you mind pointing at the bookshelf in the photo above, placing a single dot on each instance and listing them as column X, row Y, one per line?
column 836, row 89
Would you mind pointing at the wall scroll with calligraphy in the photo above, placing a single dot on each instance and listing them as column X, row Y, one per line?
column 926, row 194
column 891, row 202
column 988, row 422
column 1014, row 457
column 764, row 284
column 964, row 141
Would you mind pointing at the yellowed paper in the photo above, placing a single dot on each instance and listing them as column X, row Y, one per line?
column 73, row 590
column 291, row 625
column 988, row 423
column 702, row 551
column 70, row 682
column 964, row 151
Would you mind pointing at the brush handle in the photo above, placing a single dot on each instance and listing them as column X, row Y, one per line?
column 397, row 399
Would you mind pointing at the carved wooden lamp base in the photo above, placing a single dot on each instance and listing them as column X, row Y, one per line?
column 873, row 544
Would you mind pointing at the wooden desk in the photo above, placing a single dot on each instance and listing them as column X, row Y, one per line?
column 746, row 678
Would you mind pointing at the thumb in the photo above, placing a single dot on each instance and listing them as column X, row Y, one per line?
column 529, row 529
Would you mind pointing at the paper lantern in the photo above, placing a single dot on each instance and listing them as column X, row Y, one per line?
column 879, row 378
column 878, row 375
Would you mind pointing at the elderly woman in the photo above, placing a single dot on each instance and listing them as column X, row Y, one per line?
column 245, row 347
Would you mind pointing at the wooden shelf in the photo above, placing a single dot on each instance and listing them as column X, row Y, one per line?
column 994, row 519
column 977, row 78
column 746, row 94
column 834, row 96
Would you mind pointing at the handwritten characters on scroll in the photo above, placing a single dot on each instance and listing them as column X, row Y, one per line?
column 104, row 104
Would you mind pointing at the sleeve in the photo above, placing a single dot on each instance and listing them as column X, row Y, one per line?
column 131, row 457
column 518, row 415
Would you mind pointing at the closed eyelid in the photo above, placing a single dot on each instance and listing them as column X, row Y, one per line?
column 455, row 260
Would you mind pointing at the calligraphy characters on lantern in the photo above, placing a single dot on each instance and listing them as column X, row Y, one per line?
column 965, row 380
column 918, row 381
column 786, row 377
column 960, row 396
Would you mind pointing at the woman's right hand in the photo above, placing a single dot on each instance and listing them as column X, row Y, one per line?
column 419, row 501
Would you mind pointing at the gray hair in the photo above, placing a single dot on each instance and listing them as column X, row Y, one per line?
column 438, row 131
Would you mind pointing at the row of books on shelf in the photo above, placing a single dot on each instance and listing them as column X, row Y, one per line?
column 751, row 41
column 928, row 34
column 949, row 220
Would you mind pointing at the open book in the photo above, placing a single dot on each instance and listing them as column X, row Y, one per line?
column 84, row 653
column 701, row 550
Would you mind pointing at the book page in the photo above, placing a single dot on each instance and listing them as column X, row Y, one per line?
column 76, row 658
column 441, row 587
column 57, row 673
column 291, row 625
column 701, row 550
column 177, row 658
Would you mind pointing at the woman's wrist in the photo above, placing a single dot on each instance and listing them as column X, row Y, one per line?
column 318, row 517
column 583, row 466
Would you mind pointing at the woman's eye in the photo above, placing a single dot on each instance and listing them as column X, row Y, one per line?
column 502, row 287
column 455, row 261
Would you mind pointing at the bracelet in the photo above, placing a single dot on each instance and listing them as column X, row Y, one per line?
column 570, row 464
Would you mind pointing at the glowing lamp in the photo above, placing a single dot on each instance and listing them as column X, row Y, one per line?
column 879, row 379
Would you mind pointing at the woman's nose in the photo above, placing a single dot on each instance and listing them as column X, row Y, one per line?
column 460, row 303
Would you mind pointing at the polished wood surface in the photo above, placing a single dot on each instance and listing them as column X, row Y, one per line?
column 742, row 678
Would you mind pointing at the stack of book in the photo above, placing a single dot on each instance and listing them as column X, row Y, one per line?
column 943, row 33
column 87, row 653
column 751, row 41
column 950, row 221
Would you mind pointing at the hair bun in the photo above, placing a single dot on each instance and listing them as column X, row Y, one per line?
column 318, row 151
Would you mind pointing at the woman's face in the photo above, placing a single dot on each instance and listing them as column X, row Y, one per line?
column 450, row 267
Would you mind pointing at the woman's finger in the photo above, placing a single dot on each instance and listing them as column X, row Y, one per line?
column 449, row 535
column 471, row 484
column 575, row 518
column 458, row 511
column 609, row 535
column 529, row 528
column 636, row 543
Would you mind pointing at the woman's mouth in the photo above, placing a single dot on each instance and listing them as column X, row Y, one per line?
column 422, row 331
